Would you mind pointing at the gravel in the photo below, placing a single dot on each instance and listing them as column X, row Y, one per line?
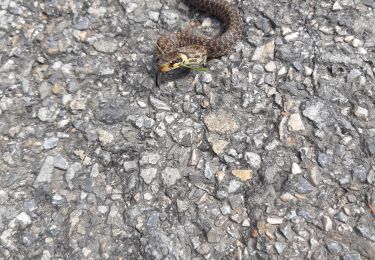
column 267, row 155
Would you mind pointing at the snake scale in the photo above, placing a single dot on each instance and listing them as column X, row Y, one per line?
column 185, row 49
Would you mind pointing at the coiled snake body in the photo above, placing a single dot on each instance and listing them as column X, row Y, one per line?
column 185, row 49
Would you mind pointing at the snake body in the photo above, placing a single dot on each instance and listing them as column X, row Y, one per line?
column 175, row 43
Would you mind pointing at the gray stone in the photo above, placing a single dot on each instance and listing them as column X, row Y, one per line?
column 366, row 230
column 314, row 175
column 27, row 241
column 206, row 77
column 169, row 17
column 295, row 123
column 225, row 209
column 317, row 113
column 236, row 202
column 83, row 23
column 158, row 104
column 45, row 173
column 44, row 90
column 334, row 247
column 371, row 146
column 71, row 173
column 130, row 166
column 341, row 216
column 327, row 223
column 352, row 256
column 6, row 239
column 275, row 220
column 214, row 235
column 221, row 122
column 154, row 16
column 253, row 159
column 115, row 217
column 148, row 175
column 103, row 209
column 59, row 162
column 369, row 3
column 203, row 249
column 287, row 231
column 57, row 199
column 170, row 176
column 270, row 174
column 148, row 123
column 22, row 220
column 264, row 52
column 182, row 205
column 359, row 174
column 149, row 158
column 296, row 169
column 208, row 171
column 353, row 75
column 263, row 24
column 153, row 219
column 303, row 186
column 106, row 45
column 46, row 114
column 319, row 254
column 50, row 143
column 3, row 196
column 105, row 137
column 279, row 246
column 371, row 177
column 233, row 186
column 324, row 160
column 221, row 194
column 361, row 113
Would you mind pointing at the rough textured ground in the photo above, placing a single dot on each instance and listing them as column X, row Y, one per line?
column 268, row 155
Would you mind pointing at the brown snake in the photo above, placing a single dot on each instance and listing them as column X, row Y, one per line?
column 185, row 49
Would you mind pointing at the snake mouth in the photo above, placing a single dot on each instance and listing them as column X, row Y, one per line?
column 165, row 68
column 172, row 61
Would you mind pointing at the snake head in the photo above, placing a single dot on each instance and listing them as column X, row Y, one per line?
column 171, row 61
column 193, row 55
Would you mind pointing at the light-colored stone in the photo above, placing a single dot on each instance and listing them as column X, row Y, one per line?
column 336, row 6
column 218, row 145
column 170, row 176
column 22, row 220
column 253, row 159
column 45, row 173
column 105, row 137
column 264, row 52
column 295, row 123
column 307, row 71
column 221, row 122
column 296, row 169
column 77, row 104
column 220, row 176
column 50, row 143
column 292, row 36
column 60, row 162
column 270, row 66
column 275, row 220
column 182, row 205
column 148, row 174
column 106, row 45
column 285, row 30
column 243, row 175
column 361, row 112
column 356, row 43
column 149, row 158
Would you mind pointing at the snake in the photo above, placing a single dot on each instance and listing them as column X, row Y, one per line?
column 184, row 49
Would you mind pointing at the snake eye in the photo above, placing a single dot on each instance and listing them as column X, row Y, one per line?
column 178, row 60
